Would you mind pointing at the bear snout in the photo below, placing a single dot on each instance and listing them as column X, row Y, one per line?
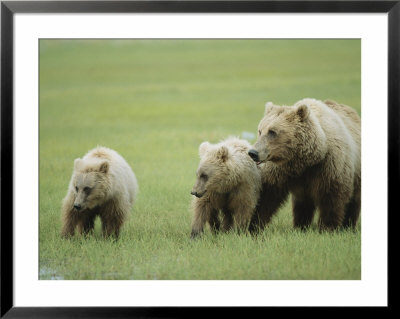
column 195, row 194
column 254, row 155
column 77, row 206
column 198, row 195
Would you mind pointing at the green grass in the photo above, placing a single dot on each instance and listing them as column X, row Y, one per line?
column 155, row 102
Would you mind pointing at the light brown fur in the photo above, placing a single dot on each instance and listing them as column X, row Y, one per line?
column 227, row 181
column 102, row 184
column 313, row 151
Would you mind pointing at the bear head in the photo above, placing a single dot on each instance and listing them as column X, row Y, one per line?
column 214, row 173
column 285, row 134
column 89, row 183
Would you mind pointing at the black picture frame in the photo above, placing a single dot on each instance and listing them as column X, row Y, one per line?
column 9, row 8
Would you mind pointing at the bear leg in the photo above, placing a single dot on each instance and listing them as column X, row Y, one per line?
column 86, row 224
column 353, row 207
column 352, row 213
column 331, row 213
column 303, row 211
column 112, row 217
column 242, row 206
column 242, row 216
column 111, row 226
column 201, row 215
column 69, row 217
column 227, row 221
column 215, row 223
column 271, row 198
column 68, row 227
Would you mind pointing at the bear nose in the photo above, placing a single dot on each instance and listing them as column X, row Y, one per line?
column 77, row 206
column 196, row 194
column 254, row 155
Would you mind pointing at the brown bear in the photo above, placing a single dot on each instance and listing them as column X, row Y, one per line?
column 313, row 151
column 227, row 180
column 102, row 184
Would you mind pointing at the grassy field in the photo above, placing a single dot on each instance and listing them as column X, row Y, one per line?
column 155, row 102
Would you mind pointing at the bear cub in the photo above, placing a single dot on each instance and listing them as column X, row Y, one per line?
column 229, row 181
column 102, row 184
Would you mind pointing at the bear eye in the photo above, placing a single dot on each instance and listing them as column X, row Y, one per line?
column 76, row 188
column 204, row 176
column 259, row 132
column 271, row 133
column 87, row 190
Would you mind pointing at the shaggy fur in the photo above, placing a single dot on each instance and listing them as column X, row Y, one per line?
column 102, row 184
column 227, row 180
column 313, row 151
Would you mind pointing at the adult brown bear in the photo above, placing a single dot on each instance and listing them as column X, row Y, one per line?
column 312, row 150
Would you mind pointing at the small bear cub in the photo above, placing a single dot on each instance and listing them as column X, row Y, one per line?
column 102, row 184
column 229, row 181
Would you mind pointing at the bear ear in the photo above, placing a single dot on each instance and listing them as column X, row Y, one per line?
column 268, row 107
column 223, row 153
column 303, row 112
column 104, row 166
column 203, row 148
column 77, row 163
